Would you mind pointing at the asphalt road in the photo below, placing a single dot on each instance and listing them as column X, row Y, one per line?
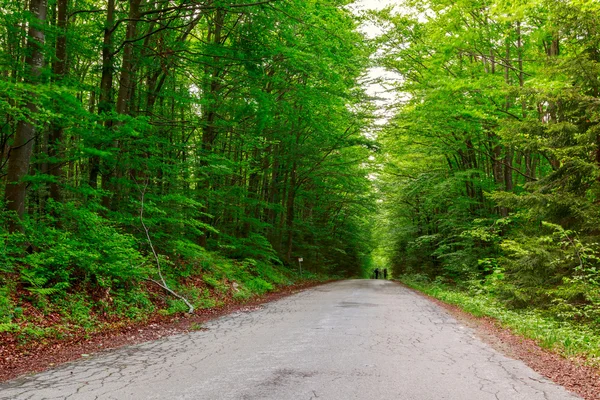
column 359, row 339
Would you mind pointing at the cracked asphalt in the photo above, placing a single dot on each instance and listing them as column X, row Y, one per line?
column 356, row 339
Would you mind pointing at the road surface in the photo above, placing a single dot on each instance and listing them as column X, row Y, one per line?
column 357, row 339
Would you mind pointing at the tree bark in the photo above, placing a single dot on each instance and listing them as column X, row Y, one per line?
column 289, row 220
column 212, row 89
column 20, row 157
column 125, row 88
column 59, row 70
column 105, row 103
column 123, row 102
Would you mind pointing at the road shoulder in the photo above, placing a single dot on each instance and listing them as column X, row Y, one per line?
column 569, row 373
column 38, row 356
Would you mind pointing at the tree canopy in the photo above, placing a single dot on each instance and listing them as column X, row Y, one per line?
column 491, row 164
column 172, row 130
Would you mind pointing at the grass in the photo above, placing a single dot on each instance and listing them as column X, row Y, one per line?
column 568, row 338
column 196, row 326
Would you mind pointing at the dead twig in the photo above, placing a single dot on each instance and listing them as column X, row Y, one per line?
column 162, row 283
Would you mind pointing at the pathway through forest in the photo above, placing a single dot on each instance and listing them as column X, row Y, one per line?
column 357, row 339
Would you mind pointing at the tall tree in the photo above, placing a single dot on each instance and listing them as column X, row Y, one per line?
column 22, row 146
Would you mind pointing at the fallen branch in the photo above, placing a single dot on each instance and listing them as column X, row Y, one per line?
column 175, row 294
column 162, row 283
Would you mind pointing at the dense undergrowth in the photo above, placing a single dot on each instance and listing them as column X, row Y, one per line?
column 91, row 275
column 572, row 339
column 32, row 313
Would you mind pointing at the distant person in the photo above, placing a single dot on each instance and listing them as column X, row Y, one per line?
column 376, row 273
column 385, row 273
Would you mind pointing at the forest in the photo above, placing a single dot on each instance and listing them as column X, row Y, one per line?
column 490, row 176
column 157, row 156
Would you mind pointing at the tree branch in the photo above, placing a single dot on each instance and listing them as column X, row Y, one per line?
column 162, row 283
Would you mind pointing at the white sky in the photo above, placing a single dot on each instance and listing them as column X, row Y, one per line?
column 362, row 5
column 379, row 81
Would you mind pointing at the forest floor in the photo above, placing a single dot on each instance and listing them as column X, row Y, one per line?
column 18, row 358
column 571, row 373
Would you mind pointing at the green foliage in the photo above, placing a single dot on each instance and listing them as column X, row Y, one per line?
column 243, row 293
column 490, row 165
column 223, row 157
column 214, row 283
column 6, row 306
column 265, row 271
column 8, row 327
column 77, row 310
column 175, row 306
column 258, row 286
column 255, row 246
column 201, row 298
column 134, row 304
column 196, row 326
column 88, row 249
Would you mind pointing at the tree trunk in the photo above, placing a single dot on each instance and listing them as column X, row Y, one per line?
column 125, row 87
column 520, row 64
column 105, row 103
column 289, row 221
column 123, row 100
column 212, row 89
column 20, row 157
column 508, row 178
column 59, row 70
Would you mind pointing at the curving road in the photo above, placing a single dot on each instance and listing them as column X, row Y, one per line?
column 358, row 339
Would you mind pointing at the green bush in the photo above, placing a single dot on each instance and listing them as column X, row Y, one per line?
column 133, row 304
column 258, row 286
column 87, row 249
column 199, row 297
column 77, row 309
column 214, row 283
column 176, row 306
column 242, row 293
column 6, row 306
